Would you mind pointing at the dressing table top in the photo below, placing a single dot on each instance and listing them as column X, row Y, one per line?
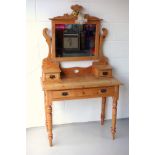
column 89, row 81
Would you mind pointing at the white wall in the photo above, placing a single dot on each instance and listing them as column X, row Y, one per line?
column 115, row 15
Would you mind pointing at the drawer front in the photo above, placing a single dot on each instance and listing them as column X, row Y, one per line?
column 103, row 91
column 66, row 93
column 105, row 73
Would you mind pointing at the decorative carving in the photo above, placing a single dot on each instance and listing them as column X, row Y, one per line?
column 76, row 9
column 73, row 16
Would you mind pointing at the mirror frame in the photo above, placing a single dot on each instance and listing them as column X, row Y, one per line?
column 72, row 21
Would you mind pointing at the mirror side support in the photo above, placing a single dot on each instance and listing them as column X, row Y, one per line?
column 102, row 59
column 48, row 40
column 102, row 39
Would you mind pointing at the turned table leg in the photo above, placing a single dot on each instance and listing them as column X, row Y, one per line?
column 49, row 116
column 45, row 110
column 103, row 110
column 114, row 115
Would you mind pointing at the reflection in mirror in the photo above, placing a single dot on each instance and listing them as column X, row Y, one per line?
column 75, row 40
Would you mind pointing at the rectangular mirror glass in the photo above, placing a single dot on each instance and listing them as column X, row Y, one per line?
column 75, row 40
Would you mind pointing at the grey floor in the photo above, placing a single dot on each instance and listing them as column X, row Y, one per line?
column 80, row 139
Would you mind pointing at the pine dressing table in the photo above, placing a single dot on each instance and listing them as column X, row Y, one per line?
column 76, row 37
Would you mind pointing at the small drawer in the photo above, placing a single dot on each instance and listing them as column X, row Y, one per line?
column 105, row 73
column 103, row 91
column 67, row 93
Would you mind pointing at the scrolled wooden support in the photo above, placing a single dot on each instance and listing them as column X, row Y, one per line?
column 102, row 38
column 103, row 60
column 48, row 40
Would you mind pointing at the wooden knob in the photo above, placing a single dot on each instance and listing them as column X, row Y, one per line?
column 103, row 90
column 52, row 76
column 64, row 93
column 104, row 73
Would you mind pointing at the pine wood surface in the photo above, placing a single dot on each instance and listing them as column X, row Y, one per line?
column 88, row 81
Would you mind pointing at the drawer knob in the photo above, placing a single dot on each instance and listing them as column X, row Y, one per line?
column 64, row 93
column 52, row 76
column 105, row 73
column 103, row 90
